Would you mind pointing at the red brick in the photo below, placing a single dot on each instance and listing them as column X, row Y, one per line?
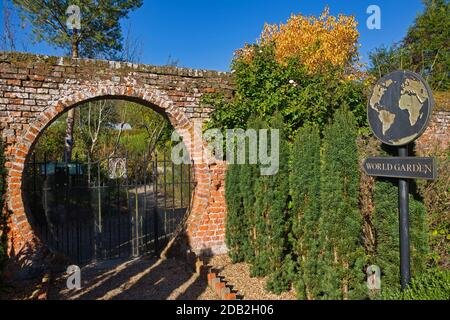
column 230, row 296
column 219, row 287
column 35, row 83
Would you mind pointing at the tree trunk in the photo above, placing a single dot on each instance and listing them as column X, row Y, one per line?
column 75, row 50
column 68, row 139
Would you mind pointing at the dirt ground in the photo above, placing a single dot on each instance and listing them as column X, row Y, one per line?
column 149, row 278
column 144, row 278
column 20, row 290
column 238, row 275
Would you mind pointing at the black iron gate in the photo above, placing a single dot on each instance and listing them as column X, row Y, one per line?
column 106, row 209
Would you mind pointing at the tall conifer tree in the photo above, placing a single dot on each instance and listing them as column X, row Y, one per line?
column 305, row 191
column 235, row 231
column 342, row 252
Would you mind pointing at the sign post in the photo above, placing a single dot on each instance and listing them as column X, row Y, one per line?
column 399, row 111
column 403, row 208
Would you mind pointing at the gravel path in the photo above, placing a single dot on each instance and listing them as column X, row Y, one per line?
column 144, row 278
column 238, row 275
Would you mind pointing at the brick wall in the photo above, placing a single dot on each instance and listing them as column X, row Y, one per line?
column 437, row 133
column 35, row 90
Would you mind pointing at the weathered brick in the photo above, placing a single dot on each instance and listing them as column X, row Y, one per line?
column 35, row 89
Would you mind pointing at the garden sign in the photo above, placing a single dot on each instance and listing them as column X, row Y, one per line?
column 399, row 111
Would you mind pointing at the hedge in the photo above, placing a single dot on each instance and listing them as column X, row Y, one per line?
column 304, row 227
column 431, row 285
column 305, row 191
column 340, row 226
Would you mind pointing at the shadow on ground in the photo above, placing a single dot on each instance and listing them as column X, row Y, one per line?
column 144, row 278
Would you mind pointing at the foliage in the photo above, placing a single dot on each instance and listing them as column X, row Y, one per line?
column 431, row 285
column 296, row 228
column 305, row 192
column 265, row 88
column 317, row 43
column 248, row 176
column 50, row 143
column 100, row 34
column 93, row 120
column 322, row 235
column 156, row 128
column 425, row 48
column 275, row 211
column 386, row 224
column 236, row 235
column 442, row 101
column 436, row 199
column 257, row 219
column 340, row 229
column 428, row 42
column 304, row 70
column 101, row 131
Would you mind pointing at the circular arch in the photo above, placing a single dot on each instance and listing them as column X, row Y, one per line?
column 23, row 237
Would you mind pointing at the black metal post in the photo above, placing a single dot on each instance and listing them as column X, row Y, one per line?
column 145, row 213
column 172, row 229
column 181, row 185
column 165, row 195
column 155, row 208
column 403, row 206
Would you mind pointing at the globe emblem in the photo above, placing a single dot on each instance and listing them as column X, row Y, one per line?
column 400, row 108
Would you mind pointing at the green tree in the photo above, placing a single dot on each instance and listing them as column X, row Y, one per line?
column 235, row 224
column 428, row 41
column 340, row 229
column 249, row 175
column 265, row 88
column 49, row 144
column 271, row 223
column 157, row 129
column 434, row 284
column 305, row 192
column 94, row 120
column 424, row 49
column 99, row 35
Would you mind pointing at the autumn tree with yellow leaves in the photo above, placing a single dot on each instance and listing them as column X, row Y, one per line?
column 318, row 43
column 304, row 69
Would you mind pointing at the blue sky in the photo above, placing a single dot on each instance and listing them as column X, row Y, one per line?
column 205, row 33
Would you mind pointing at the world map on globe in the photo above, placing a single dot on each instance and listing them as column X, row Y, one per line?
column 399, row 108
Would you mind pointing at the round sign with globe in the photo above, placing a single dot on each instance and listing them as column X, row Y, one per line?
column 400, row 107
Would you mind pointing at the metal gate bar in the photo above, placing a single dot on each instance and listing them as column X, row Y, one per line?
column 88, row 211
